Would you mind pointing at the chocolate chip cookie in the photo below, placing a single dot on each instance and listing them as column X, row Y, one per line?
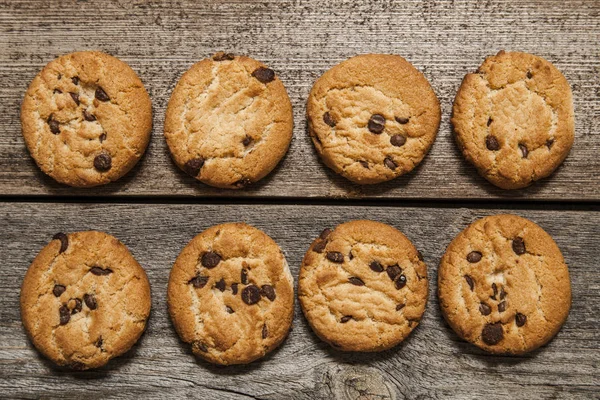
column 86, row 119
column 84, row 299
column 514, row 119
column 503, row 285
column 373, row 117
column 229, row 121
column 231, row 294
column 363, row 286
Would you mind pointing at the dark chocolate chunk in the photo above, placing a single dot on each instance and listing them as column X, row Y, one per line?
column 103, row 162
column 210, row 259
column 356, row 281
column 474, row 257
column 64, row 241
column 492, row 333
column 268, row 292
column 101, row 94
column 90, row 301
column 58, row 290
column 335, row 256
column 251, row 294
column 264, row 75
column 193, row 166
column 99, row 271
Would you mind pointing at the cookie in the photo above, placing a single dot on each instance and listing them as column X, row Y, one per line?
column 503, row 285
column 229, row 121
column 373, row 117
column 86, row 119
column 231, row 294
column 363, row 286
column 84, row 299
column 513, row 119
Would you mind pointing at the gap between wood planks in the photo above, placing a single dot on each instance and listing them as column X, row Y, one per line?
column 511, row 204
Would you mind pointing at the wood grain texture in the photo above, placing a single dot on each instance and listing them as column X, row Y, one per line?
column 301, row 39
column 433, row 363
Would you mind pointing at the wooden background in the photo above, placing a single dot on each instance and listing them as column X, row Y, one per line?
column 155, row 210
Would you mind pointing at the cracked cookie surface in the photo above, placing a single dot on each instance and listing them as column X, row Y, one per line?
column 513, row 119
column 363, row 286
column 84, row 299
column 86, row 119
column 231, row 294
column 503, row 285
column 373, row 117
column 229, row 121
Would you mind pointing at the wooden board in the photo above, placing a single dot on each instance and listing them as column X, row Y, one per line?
column 301, row 39
column 431, row 364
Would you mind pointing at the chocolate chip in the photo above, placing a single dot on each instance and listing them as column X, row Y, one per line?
column 99, row 342
column 88, row 116
column 99, row 271
column 335, row 256
column 400, row 282
column 101, row 94
column 492, row 333
column 376, row 124
column 399, row 307
column 490, row 120
column 77, row 305
column 193, row 166
column 197, row 345
column 210, row 259
column 234, row 288
column 199, row 281
column 222, row 56
column 393, row 271
column 470, row 282
column 492, row 143
column 350, row 256
column 502, row 293
column 319, row 247
column 221, row 285
column 65, row 314
column 376, row 266
column 102, row 137
column 364, row 163
column 103, row 162
column 59, row 76
column 90, row 301
column 268, row 292
column 518, row 246
column 484, row 309
column 58, row 290
column 75, row 80
column 474, row 257
column 397, row 140
column 264, row 75
column 549, row 143
column 356, row 281
column 325, row 234
column 520, row 319
column 75, row 97
column 529, row 75
column 244, row 277
column 229, row 309
column 54, row 125
column 345, row 319
column 57, row 91
column 247, row 140
column 502, row 307
column 242, row 183
column 64, row 241
column 328, row 119
column 390, row 163
column 265, row 331
column 524, row 151
column 251, row 294
column 402, row 120
column 495, row 289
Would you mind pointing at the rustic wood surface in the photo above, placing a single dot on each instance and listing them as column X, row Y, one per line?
column 433, row 363
column 301, row 39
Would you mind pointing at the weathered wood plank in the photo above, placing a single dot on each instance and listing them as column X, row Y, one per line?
column 300, row 39
column 432, row 363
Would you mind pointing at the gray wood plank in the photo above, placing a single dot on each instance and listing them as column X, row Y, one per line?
column 301, row 39
column 432, row 363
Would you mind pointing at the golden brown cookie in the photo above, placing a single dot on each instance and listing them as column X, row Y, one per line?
column 373, row 117
column 363, row 286
column 514, row 119
column 231, row 294
column 503, row 285
column 84, row 299
column 229, row 121
column 86, row 119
